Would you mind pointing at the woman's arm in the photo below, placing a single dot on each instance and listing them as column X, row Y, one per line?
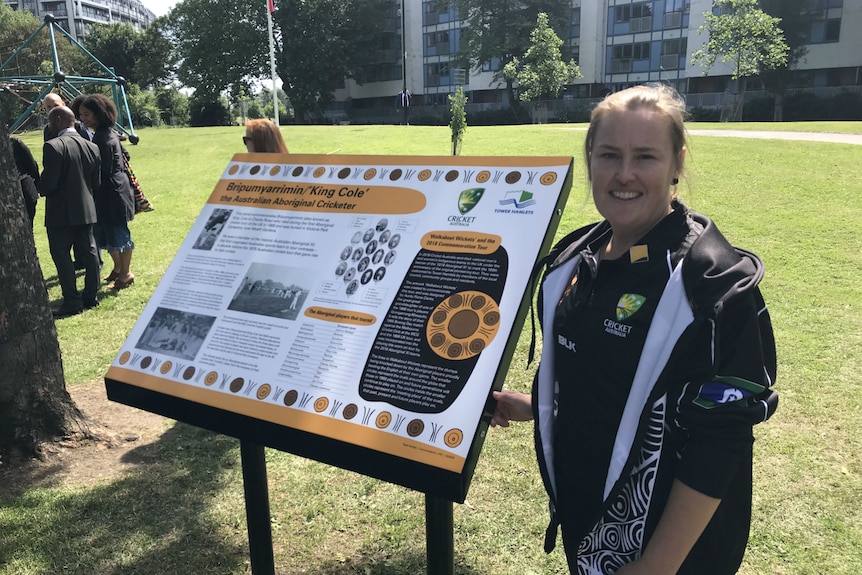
column 685, row 516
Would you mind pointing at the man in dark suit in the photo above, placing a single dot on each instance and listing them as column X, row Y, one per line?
column 49, row 102
column 71, row 171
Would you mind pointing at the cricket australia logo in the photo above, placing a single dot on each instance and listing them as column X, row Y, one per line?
column 469, row 198
column 629, row 304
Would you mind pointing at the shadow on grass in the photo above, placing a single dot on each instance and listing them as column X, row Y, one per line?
column 154, row 520
column 159, row 519
column 103, row 293
column 406, row 564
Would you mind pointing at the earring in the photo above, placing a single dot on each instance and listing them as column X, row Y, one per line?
column 674, row 181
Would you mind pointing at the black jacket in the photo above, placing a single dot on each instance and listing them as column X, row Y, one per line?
column 703, row 380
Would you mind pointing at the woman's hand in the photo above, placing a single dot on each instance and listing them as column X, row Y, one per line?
column 511, row 406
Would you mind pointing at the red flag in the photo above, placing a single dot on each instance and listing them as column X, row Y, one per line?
column 270, row 4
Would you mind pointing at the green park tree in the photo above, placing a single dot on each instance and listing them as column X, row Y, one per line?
column 322, row 42
column 319, row 43
column 173, row 106
column 796, row 20
column 498, row 31
column 457, row 118
column 145, row 58
column 15, row 27
column 219, row 44
column 744, row 36
column 542, row 73
column 34, row 60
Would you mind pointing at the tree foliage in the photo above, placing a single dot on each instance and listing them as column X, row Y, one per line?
column 145, row 58
column 457, row 118
column 497, row 31
column 796, row 19
column 321, row 43
column 744, row 36
column 173, row 106
column 205, row 110
column 220, row 44
column 36, row 58
column 541, row 73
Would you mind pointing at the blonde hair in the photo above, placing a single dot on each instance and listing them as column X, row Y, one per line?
column 660, row 98
column 265, row 136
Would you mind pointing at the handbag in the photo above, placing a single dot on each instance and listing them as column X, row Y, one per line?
column 142, row 204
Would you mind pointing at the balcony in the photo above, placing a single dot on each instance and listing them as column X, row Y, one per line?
column 643, row 24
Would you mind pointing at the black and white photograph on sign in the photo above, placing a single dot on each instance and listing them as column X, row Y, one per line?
column 176, row 333
column 215, row 224
column 272, row 290
column 375, row 245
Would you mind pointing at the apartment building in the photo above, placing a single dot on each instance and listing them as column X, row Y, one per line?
column 617, row 43
column 75, row 15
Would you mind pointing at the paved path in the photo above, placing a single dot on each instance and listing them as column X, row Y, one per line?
column 807, row 136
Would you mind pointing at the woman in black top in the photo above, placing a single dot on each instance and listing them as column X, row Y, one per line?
column 115, row 202
column 658, row 359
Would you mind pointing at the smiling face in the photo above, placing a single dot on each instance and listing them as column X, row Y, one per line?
column 632, row 166
column 88, row 118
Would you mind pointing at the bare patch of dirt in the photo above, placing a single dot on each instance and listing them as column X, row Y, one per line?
column 74, row 463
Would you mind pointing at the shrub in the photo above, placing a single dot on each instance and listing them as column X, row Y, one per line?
column 760, row 109
column 846, row 106
column 804, row 106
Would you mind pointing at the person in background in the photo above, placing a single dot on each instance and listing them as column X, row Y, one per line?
column 72, row 172
column 28, row 175
column 658, row 359
column 403, row 104
column 115, row 202
column 263, row 136
column 51, row 101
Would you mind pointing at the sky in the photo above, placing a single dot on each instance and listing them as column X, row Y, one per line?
column 160, row 7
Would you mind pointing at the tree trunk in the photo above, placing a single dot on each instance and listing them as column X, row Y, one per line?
column 35, row 407
column 778, row 113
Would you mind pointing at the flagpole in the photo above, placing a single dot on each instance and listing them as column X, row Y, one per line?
column 270, row 7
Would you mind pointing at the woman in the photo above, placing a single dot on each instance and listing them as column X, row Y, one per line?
column 657, row 362
column 263, row 136
column 28, row 175
column 115, row 201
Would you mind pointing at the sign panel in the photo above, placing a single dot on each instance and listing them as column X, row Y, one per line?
column 357, row 310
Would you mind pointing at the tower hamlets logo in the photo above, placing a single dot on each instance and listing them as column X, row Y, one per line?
column 469, row 198
column 627, row 306
column 519, row 198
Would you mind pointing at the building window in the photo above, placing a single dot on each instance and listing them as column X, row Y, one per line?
column 628, row 12
column 671, row 51
column 639, row 51
column 437, row 43
column 622, row 56
column 677, row 6
column 825, row 31
column 638, row 16
column 575, row 31
column 437, row 74
column 673, row 12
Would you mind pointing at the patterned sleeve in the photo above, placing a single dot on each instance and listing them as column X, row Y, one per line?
column 718, row 409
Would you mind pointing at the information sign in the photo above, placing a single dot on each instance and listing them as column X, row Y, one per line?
column 357, row 310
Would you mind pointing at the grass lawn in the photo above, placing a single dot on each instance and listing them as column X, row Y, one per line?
column 797, row 204
column 834, row 127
